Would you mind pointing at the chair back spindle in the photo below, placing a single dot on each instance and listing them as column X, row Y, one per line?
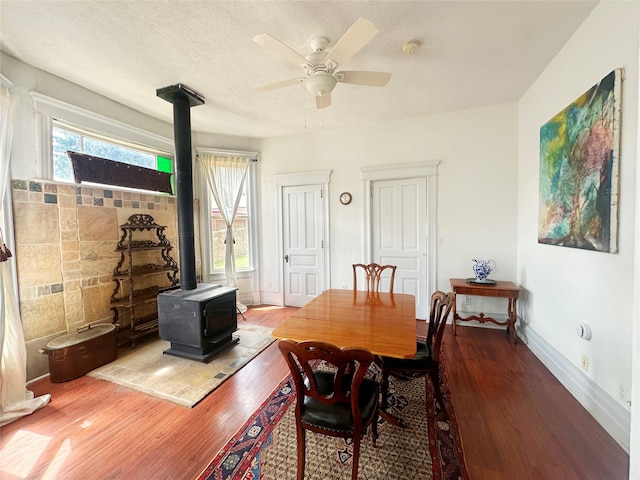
column 373, row 275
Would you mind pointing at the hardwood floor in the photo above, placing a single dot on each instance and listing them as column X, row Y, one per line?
column 516, row 420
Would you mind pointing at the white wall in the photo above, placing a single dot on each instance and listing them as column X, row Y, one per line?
column 567, row 285
column 476, row 215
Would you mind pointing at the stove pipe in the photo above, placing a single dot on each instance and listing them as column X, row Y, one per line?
column 183, row 98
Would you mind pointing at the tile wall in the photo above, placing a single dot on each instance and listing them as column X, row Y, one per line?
column 66, row 237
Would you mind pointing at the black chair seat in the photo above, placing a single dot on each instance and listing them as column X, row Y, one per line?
column 427, row 357
column 337, row 416
column 422, row 360
column 325, row 396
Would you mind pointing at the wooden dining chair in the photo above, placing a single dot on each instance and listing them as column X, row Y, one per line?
column 373, row 275
column 334, row 398
column 426, row 361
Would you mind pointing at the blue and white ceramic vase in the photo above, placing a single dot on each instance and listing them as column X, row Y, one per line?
column 482, row 269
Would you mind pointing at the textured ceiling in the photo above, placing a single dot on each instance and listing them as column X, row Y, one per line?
column 473, row 53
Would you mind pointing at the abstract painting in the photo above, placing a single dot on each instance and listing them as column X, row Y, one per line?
column 579, row 154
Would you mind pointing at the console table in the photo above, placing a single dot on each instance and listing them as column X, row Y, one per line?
column 508, row 290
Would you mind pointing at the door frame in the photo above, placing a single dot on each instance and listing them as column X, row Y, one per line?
column 428, row 170
column 321, row 178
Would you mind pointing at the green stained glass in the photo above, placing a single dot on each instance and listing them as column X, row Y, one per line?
column 165, row 164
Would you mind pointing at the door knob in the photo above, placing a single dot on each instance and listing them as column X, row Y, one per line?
column 286, row 258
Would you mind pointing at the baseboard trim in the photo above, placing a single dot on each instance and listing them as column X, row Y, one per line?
column 271, row 298
column 613, row 417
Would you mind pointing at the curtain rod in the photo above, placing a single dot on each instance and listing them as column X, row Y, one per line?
column 253, row 156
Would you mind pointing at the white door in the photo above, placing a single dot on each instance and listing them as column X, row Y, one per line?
column 399, row 235
column 303, row 225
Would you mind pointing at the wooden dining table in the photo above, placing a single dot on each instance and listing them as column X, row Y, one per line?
column 384, row 323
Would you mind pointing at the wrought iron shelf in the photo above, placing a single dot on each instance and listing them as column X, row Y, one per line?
column 135, row 310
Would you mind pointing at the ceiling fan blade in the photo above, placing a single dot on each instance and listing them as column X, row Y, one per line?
column 358, row 35
column 281, row 49
column 372, row 79
column 282, row 84
column 323, row 101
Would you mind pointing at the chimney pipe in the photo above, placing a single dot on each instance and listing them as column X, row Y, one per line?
column 183, row 98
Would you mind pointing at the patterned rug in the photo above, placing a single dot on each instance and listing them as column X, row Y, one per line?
column 265, row 447
column 185, row 382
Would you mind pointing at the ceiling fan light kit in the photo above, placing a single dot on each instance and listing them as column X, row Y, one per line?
column 320, row 68
column 320, row 83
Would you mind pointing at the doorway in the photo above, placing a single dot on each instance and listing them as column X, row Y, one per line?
column 303, row 230
column 401, row 226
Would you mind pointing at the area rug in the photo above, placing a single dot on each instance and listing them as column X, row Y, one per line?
column 185, row 382
column 265, row 447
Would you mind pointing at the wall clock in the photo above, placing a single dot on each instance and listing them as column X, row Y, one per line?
column 345, row 198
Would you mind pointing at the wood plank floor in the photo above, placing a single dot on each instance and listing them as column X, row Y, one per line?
column 516, row 420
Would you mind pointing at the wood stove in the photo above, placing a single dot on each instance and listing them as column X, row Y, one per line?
column 197, row 319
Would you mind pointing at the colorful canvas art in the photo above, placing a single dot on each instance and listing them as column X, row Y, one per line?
column 579, row 154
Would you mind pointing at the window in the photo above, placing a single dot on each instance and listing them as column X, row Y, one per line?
column 244, row 226
column 241, row 234
column 62, row 126
column 67, row 137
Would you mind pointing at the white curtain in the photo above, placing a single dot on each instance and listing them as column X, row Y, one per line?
column 15, row 400
column 226, row 176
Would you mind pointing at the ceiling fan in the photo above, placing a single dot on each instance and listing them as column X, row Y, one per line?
column 320, row 67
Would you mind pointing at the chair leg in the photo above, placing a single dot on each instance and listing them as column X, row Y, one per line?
column 434, row 375
column 374, row 426
column 356, row 457
column 301, row 450
column 384, row 391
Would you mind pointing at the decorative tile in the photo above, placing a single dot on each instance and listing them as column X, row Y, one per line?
column 66, row 189
column 98, row 201
column 44, row 290
column 97, row 303
column 35, row 186
column 150, row 206
column 36, row 197
column 43, row 316
column 97, row 258
column 68, row 219
column 57, row 288
column 71, row 274
column 67, row 201
column 97, row 224
column 117, row 203
column 50, row 187
column 73, row 297
column 20, row 196
column 135, row 204
column 108, row 194
column 19, row 184
column 36, row 223
column 70, row 256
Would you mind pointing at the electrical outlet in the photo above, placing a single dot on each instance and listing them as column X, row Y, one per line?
column 270, row 286
column 344, row 286
column 585, row 363
column 467, row 300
